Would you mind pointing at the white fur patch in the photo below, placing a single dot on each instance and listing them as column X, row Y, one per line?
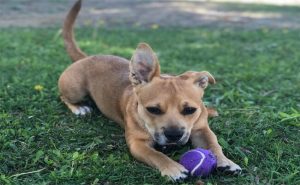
column 236, row 169
column 82, row 110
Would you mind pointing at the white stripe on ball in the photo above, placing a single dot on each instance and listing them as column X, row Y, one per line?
column 200, row 163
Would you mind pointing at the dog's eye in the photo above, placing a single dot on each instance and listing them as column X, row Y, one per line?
column 188, row 110
column 154, row 110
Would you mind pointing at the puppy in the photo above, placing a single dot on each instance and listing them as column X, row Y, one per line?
column 151, row 107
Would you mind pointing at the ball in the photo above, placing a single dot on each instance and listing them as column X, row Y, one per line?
column 199, row 162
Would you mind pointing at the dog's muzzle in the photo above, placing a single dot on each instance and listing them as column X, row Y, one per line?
column 172, row 136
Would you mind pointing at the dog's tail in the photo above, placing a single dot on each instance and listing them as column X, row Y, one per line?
column 72, row 49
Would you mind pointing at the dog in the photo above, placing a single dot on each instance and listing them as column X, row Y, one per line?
column 150, row 106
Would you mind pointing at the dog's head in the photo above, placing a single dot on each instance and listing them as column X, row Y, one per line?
column 168, row 105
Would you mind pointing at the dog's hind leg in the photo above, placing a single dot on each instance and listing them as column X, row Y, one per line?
column 212, row 112
column 77, row 109
column 73, row 93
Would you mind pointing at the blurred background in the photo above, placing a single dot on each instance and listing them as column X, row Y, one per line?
column 138, row 13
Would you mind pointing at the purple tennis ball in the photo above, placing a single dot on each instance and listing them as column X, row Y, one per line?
column 199, row 162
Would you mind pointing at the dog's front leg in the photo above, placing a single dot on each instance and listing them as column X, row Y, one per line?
column 164, row 164
column 202, row 136
column 141, row 149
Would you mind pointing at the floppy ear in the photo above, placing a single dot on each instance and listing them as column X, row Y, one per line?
column 143, row 65
column 201, row 79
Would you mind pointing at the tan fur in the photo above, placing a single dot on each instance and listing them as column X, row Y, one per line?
column 72, row 49
column 124, row 90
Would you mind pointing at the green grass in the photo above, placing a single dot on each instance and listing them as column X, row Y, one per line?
column 257, row 96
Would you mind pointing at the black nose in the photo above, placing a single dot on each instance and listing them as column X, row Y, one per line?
column 173, row 134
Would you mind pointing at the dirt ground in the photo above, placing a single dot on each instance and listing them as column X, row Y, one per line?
column 138, row 13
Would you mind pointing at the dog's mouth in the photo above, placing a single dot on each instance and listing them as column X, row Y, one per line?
column 184, row 139
column 160, row 139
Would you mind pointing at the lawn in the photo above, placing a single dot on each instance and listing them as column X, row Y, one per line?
column 257, row 95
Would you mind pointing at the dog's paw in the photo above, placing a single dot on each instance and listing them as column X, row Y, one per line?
column 82, row 110
column 227, row 166
column 175, row 172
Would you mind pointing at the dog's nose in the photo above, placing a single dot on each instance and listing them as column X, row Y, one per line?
column 173, row 134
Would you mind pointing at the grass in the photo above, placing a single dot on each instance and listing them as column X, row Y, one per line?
column 257, row 96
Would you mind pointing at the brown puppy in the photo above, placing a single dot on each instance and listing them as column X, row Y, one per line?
column 150, row 107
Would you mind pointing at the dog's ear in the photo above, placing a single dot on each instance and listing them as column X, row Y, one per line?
column 144, row 65
column 201, row 79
